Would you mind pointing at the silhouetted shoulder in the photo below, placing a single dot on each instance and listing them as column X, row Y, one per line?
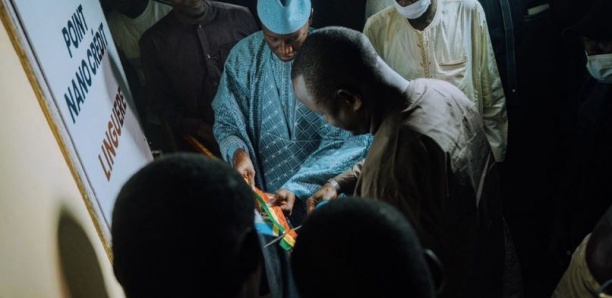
column 161, row 28
column 381, row 17
column 233, row 9
column 238, row 15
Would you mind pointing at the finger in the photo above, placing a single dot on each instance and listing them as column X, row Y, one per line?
column 311, row 204
column 327, row 194
column 286, row 209
column 251, row 176
column 246, row 177
column 310, row 208
column 277, row 201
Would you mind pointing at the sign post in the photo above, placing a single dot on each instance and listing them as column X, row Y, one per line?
column 73, row 65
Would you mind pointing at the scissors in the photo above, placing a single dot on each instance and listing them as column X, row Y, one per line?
column 279, row 238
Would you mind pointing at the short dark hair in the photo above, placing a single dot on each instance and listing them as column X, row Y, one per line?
column 333, row 58
column 358, row 247
column 179, row 225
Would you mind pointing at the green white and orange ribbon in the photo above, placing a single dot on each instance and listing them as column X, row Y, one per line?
column 272, row 214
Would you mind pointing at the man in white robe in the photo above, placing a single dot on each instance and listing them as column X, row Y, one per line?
column 447, row 40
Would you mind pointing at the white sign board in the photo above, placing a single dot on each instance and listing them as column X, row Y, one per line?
column 79, row 64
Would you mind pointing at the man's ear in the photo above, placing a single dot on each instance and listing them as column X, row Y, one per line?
column 347, row 97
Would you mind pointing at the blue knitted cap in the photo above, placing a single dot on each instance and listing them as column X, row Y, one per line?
column 283, row 16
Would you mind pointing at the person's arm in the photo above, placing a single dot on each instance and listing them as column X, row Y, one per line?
column 164, row 100
column 492, row 96
column 347, row 180
column 343, row 183
column 230, row 107
column 441, row 209
column 337, row 152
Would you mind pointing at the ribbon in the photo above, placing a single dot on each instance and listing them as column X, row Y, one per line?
column 275, row 215
column 197, row 145
column 271, row 214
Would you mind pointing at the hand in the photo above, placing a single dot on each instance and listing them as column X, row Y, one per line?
column 284, row 199
column 243, row 164
column 325, row 193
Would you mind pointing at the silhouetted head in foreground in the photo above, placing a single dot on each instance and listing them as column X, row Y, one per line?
column 356, row 247
column 183, row 226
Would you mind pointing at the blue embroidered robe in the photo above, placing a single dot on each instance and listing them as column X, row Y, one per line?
column 255, row 109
